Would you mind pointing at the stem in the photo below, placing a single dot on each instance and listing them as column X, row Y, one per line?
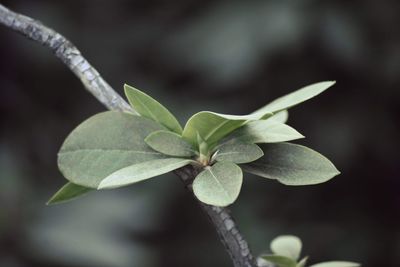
column 231, row 238
column 227, row 230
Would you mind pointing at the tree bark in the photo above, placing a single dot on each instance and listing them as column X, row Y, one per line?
column 221, row 218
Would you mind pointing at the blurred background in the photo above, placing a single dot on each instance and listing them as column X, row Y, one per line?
column 225, row 56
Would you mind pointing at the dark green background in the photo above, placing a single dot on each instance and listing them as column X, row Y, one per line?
column 224, row 56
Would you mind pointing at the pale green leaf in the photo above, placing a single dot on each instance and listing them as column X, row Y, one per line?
column 238, row 152
column 103, row 144
column 265, row 131
column 281, row 116
column 150, row 108
column 203, row 147
column 303, row 262
column 292, row 164
column 218, row 185
column 295, row 97
column 213, row 126
column 68, row 192
column 279, row 260
column 336, row 264
column 142, row 171
column 287, row 245
column 170, row 143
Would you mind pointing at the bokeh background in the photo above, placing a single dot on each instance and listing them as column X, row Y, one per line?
column 225, row 56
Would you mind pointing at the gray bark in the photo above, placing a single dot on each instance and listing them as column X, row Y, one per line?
column 225, row 226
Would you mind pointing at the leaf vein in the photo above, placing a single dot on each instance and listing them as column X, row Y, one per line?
column 219, row 183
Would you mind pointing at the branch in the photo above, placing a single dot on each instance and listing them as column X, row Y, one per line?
column 231, row 238
column 229, row 234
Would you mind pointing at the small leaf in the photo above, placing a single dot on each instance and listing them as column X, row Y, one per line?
column 213, row 126
column 68, row 192
column 295, row 98
column 292, row 164
column 265, row 131
column 336, row 264
column 103, row 144
column 142, row 171
column 218, row 185
column 151, row 108
column 202, row 146
column 238, row 152
column 287, row 245
column 279, row 260
column 281, row 116
column 302, row 263
column 169, row 143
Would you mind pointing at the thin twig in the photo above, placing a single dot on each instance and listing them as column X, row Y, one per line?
column 227, row 230
column 231, row 238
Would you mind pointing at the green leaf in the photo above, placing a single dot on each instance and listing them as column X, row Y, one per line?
column 202, row 146
column 281, row 116
column 68, row 192
column 151, row 108
column 336, row 264
column 279, row 260
column 142, row 171
column 303, row 262
column 238, row 152
column 218, row 185
column 103, row 144
column 287, row 245
column 265, row 131
column 292, row 164
column 213, row 126
column 295, row 98
column 170, row 143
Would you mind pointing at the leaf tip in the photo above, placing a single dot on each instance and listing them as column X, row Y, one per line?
column 329, row 83
column 127, row 86
column 50, row 202
column 148, row 138
column 103, row 185
column 107, row 183
column 128, row 90
column 335, row 171
column 54, row 200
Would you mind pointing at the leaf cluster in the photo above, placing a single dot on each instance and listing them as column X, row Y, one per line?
column 286, row 251
column 115, row 149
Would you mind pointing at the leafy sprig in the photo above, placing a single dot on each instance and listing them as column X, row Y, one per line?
column 115, row 149
column 286, row 251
